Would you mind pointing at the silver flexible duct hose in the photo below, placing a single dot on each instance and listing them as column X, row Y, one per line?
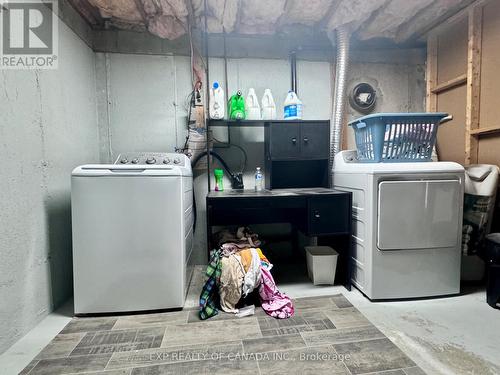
column 342, row 37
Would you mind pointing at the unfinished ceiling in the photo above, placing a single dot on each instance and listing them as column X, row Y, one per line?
column 400, row 21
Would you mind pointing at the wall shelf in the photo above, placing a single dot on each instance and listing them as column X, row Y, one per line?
column 238, row 123
column 452, row 83
column 255, row 123
column 485, row 130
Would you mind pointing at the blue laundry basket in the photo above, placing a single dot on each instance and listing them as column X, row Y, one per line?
column 396, row 137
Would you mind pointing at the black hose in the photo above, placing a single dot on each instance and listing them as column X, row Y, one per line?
column 243, row 152
column 193, row 164
column 218, row 157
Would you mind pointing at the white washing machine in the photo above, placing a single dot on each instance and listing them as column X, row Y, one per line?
column 407, row 226
column 132, row 233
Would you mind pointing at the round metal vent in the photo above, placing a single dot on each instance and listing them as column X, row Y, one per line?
column 363, row 97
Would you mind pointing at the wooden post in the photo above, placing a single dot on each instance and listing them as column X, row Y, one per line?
column 473, row 83
column 431, row 73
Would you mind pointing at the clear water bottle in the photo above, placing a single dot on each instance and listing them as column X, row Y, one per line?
column 259, row 180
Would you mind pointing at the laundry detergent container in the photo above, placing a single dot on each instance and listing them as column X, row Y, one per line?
column 321, row 264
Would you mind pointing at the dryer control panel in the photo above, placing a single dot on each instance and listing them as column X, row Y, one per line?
column 152, row 158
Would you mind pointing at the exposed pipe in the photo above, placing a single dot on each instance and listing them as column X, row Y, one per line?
column 293, row 65
column 225, row 68
column 342, row 38
column 207, row 92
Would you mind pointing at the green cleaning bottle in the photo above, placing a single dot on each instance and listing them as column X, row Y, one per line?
column 237, row 106
column 219, row 177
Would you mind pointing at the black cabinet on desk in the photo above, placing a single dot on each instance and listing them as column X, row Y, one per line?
column 296, row 154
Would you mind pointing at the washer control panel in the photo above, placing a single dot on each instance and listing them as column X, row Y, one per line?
column 152, row 158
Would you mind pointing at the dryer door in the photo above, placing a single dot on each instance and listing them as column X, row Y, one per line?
column 420, row 214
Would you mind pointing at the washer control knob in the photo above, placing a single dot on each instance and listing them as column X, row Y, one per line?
column 124, row 161
column 135, row 161
column 177, row 160
column 150, row 161
column 166, row 161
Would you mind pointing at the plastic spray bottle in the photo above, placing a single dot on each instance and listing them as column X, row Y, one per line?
column 237, row 106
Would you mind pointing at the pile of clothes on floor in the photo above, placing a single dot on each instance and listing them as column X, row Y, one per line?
column 237, row 270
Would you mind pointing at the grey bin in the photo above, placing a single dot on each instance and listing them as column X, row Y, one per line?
column 321, row 264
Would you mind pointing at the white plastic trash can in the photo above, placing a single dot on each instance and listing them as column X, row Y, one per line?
column 321, row 264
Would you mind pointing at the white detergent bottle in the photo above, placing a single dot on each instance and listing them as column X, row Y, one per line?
column 252, row 107
column 268, row 106
column 292, row 107
column 217, row 107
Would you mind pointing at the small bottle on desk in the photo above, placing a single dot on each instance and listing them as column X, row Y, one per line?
column 219, row 178
column 259, row 180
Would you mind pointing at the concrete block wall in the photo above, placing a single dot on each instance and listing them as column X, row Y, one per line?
column 48, row 125
column 400, row 87
column 148, row 107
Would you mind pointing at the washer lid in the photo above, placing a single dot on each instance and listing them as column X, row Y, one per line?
column 118, row 170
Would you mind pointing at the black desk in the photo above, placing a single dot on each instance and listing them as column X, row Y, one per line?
column 321, row 212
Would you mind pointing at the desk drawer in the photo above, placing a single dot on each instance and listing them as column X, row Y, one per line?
column 329, row 215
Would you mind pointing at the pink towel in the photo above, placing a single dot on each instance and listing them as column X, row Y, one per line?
column 274, row 303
